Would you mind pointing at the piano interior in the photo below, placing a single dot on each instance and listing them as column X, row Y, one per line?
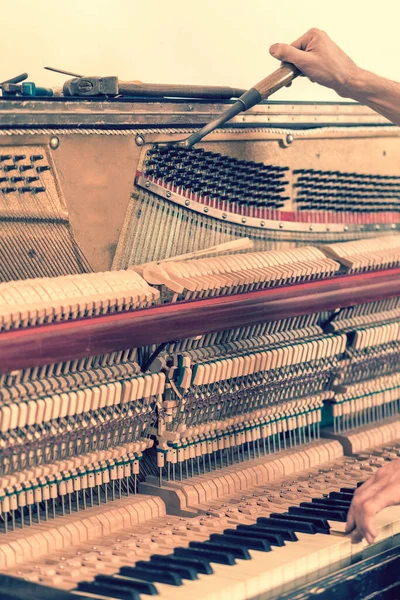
column 199, row 350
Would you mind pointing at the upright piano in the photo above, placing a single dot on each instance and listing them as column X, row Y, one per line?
column 199, row 349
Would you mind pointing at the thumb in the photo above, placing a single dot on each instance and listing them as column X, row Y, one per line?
column 287, row 53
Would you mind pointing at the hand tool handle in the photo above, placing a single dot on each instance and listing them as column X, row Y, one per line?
column 16, row 79
column 160, row 90
column 277, row 80
column 268, row 86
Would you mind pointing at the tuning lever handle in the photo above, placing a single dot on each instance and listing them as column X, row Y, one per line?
column 280, row 78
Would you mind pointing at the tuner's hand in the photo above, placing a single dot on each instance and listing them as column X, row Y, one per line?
column 320, row 59
column 378, row 492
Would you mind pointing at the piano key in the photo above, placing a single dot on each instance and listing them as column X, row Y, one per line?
column 287, row 533
column 288, row 521
column 19, row 588
column 327, row 503
column 249, row 543
column 201, row 565
column 341, row 496
column 182, row 571
column 156, row 575
column 327, row 514
column 110, row 591
column 223, row 558
column 275, row 539
column 223, row 543
column 141, row 587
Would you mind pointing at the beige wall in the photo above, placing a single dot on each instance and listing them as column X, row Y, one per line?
column 190, row 41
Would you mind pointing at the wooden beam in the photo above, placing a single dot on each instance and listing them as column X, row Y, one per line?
column 37, row 346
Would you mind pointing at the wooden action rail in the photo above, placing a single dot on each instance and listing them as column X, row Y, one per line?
column 47, row 344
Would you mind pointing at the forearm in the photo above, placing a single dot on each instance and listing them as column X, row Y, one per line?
column 380, row 94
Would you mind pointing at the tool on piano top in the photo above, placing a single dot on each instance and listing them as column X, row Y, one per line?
column 261, row 91
column 91, row 86
column 10, row 88
column 16, row 79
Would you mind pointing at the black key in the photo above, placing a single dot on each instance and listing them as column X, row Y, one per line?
column 321, row 525
column 331, row 515
column 112, row 591
column 222, row 558
column 141, row 587
column 216, row 547
column 19, row 589
column 7, row 595
column 341, row 496
column 159, row 575
column 328, row 503
column 201, row 565
column 348, row 490
column 273, row 538
column 226, row 543
column 251, row 542
column 287, row 534
column 182, row 571
column 288, row 523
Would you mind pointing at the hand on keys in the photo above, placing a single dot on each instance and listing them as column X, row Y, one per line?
column 378, row 492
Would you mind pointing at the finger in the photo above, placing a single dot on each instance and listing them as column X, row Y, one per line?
column 302, row 42
column 351, row 522
column 364, row 516
column 287, row 53
column 370, row 537
column 356, row 537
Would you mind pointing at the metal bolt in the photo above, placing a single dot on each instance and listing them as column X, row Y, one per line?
column 289, row 138
column 262, row 223
column 206, row 209
column 147, row 184
column 85, row 85
column 54, row 143
column 139, row 139
column 187, row 202
column 190, row 107
column 328, row 228
column 224, row 215
column 377, row 227
column 345, row 228
column 393, row 226
column 168, row 194
column 244, row 220
column 310, row 228
column 280, row 225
